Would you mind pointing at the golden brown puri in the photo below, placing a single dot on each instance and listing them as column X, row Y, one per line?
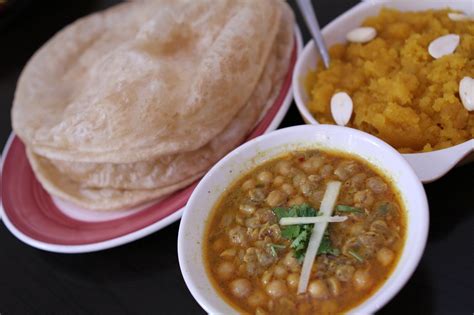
column 114, row 117
column 172, row 168
column 400, row 93
column 97, row 93
column 99, row 199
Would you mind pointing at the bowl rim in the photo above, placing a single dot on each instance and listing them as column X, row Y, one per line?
column 420, row 234
column 299, row 70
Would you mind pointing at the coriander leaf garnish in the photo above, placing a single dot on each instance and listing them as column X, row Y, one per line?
column 290, row 232
column 326, row 248
column 280, row 213
column 299, row 242
column 344, row 208
column 299, row 234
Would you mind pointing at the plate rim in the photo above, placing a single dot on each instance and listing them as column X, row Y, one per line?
column 147, row 230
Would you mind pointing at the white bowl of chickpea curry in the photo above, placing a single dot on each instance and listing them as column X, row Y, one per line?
column 305, row 220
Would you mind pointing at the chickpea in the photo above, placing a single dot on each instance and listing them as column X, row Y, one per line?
column 385, row 256
column 364, row 198
column 334, row 286
column 297, row 200
column 380, row 227
column 280, row 271
column 290, row 262
column 326, row 170
column 265, row 177
column 228, row 253
column 257, row 194
column 266, row 277
column 344, row 272
column 248, row 184
column 225, row 270
column 345, row 169
column 315, row 178
column 279, row 180
column 258, row 298
column 283, row 167
column 312, row 164
column 318, row 289
column 241, row 288
column 266, row 215
column 361, row 279
column 356, row 228
column 299, row 179
column 247, row 208
column 376, row 184
column 276, row 198
column 252, row 222
column 238, row 235
column 357, row 181
column 276, row 288
column 292, row 280
column 306, row 188
column 288, row 189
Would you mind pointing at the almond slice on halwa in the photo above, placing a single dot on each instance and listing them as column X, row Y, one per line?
column 361, row 34
column 454, row 16
column 443, row 45
column 341, row 108
column 466, row 92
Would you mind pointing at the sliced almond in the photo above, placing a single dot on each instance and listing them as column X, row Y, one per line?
column 443, row 45
column 466, row 91
column 341, row 108
column 361, row 35
column 459, row 16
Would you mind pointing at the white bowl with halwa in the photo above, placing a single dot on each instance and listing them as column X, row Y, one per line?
column 307, row 219
column 410, row 81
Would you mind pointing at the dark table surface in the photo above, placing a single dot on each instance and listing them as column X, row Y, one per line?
column 144, row 277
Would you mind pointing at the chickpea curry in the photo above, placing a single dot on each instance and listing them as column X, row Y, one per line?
column 255, row 261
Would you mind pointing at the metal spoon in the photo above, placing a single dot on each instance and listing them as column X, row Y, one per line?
column 307, row 10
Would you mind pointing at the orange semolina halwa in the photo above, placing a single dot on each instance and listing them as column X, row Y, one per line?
column 400, row 93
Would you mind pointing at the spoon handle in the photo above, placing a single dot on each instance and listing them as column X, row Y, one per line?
column 307, row 10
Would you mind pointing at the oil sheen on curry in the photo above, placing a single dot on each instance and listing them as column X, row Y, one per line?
column 266, row 224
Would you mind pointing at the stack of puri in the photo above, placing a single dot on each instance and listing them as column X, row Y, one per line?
column 136, row 102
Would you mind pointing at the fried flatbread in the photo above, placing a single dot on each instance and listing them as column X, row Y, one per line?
column 169, row 169
column 101, row 199
column 144, row 79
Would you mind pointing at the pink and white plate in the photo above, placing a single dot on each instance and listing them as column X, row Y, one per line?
column 51, row 224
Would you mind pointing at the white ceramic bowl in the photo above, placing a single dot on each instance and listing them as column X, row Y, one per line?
column 428, row 166
column 255, row 152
